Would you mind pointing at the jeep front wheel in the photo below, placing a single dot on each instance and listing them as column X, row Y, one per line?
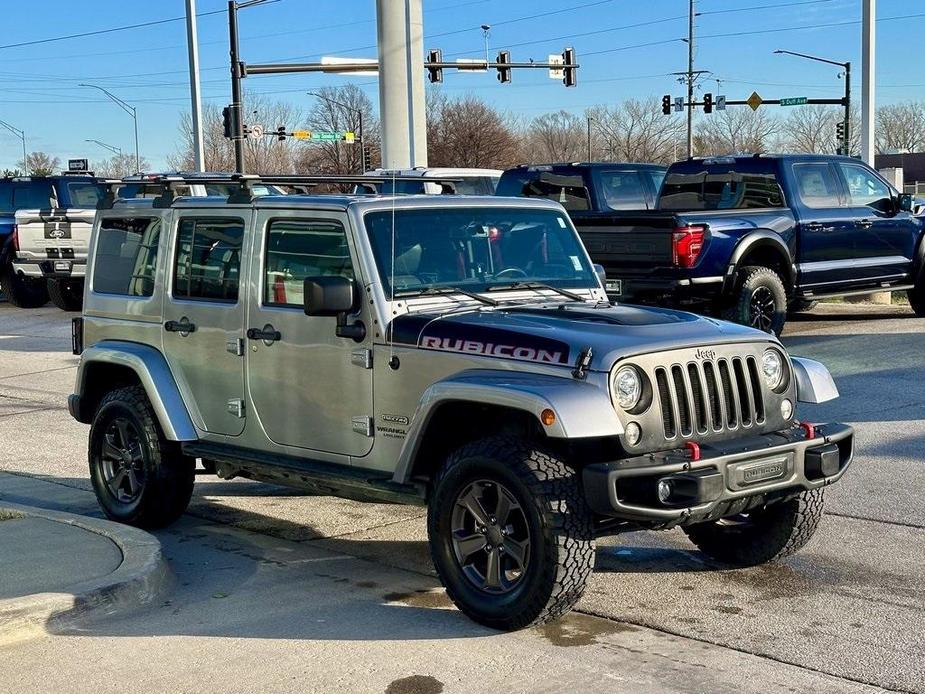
column 68, row 295
column 139, row 477
column 759, row 300
column 510, row 533
column 23, row 292
column 762, row 535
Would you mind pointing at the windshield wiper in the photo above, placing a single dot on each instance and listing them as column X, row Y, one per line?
column 448, row 290
column 538, row 285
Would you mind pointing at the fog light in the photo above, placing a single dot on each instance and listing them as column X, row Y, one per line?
column 633, row 433
column 664, row 490
column 786, row 409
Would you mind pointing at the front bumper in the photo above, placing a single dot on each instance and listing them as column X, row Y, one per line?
column 726, row 479
column 51, row 269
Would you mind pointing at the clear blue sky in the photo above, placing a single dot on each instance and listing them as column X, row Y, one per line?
column 626, row 49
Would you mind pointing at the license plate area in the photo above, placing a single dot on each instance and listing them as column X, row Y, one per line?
column 62, row 266
column 614, row 287
column 751, row 473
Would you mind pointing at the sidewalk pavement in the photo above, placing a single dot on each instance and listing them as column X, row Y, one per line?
column 57, row 566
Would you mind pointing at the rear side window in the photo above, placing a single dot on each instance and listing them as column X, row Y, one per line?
column 32, row 195
column 719, row 189
column 569, row 190
column 84, row 196
column 816, row 185
column 126, row 256
column 297, row 249
column 622, row 190
column 208, row 261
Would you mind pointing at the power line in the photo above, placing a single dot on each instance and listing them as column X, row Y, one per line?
column 764, row 7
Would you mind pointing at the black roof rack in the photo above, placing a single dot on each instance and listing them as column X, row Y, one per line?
column 245, row 182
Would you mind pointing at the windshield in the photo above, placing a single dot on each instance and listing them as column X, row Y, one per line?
column 477, row 248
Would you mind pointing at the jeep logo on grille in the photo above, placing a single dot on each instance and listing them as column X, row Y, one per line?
column 709, row 354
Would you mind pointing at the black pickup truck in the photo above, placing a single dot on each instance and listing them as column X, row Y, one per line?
column 749, row 238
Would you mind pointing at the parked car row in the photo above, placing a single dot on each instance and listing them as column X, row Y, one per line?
column 748, row 239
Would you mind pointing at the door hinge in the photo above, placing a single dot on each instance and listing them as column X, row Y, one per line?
column 236, row 407
column 235, row 346
column 363, row 425
column 362, row 357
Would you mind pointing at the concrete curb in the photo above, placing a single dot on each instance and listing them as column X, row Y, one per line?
column 141, row 578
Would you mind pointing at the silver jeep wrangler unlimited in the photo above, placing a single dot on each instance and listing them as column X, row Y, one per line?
column 449, row 351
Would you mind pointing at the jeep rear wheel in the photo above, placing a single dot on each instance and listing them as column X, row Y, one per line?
column 759, row 300
column 23, row 292
column 139, row 477
column 763, row 535
column 510, row 533
column 68, row 295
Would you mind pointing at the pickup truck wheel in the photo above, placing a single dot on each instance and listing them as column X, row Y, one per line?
column 762, row 535
column 917, row 298
column 510, row 533
column 23, row 292
column 68, row 295
column 759, row 300
column 139, row 477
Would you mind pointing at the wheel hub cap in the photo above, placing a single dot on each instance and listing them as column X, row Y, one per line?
column 122, row 461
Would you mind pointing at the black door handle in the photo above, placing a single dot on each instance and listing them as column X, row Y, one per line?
column 267, row 334
column 180, row 326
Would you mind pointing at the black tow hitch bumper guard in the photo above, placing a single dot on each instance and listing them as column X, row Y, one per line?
column 724, row 477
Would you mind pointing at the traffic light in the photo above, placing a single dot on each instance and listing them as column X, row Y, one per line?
column 666, row 105
column 281, row 133
column 504, row 73
column 435, row 55
column 230, row 116
column 708, row 102
column 841, row 146
column 569, row 68
column 367, row 159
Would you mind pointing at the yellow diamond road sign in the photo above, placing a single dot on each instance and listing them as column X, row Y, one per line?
column 754, row 101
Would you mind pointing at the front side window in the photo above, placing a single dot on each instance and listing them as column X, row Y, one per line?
column 297, row 249
column 816, row 185
column 622, row 190
column 208, row 261
column 126, row 256
column 865, row 189
column 714, row 188
column 476, row 249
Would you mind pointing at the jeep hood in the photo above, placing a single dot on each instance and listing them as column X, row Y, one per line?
column 557, row 333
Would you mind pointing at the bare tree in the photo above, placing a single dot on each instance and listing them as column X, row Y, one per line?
column 736, row 130
column 467, row 132
column 635, row 131
column 40, row 164
column 812, row 129
column 119, row 165
column 557, row 136
column 338, row 109
column 261, row 155
column 901, row 127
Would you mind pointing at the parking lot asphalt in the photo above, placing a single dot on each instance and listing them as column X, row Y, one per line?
column 848, row 610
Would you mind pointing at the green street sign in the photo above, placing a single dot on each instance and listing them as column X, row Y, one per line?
column 326, row 136
column 793, row 101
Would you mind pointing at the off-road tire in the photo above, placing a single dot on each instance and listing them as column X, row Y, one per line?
column 561, row 532
column 168, row 474
column 917, row 297
column 68, row 295
column 22, row 292
column 801, row 305
column 771, row 533
column 754, row 281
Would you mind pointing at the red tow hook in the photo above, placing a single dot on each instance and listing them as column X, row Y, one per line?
column 694, row 449
column 809, row 429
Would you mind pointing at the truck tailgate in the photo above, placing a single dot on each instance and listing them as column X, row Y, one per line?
column 632, row 243
column 39, row 230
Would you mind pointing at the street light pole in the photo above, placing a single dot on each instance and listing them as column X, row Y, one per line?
column 847, row 67
column 111, row 148
column 359, row 113
column 129, row 110
column 589, row 138
column 22, row 136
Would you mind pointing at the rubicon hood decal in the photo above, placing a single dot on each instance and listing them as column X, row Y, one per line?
column 449, row 335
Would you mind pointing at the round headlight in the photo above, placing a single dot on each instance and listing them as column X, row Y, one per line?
column 627, row 387
column 772, row 366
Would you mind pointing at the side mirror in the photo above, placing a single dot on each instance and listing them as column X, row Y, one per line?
column 906, row 203
column 334, row 296
column 601, row 273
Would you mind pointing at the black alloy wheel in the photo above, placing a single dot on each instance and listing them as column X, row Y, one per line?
column 122, row 461
column 762, row 309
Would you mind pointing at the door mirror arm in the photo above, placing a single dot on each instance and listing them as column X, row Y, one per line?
column 356, row 331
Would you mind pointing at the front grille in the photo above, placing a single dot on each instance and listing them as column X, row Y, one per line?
column 706, row 397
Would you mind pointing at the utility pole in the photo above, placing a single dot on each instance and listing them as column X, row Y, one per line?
column 237, row 106
column 690, row 82
column 868, row 80
column 195, row 94
column 589, row 137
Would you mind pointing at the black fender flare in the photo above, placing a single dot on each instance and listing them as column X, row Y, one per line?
column 754, row 240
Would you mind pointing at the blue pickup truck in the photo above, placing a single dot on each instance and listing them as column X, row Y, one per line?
column 751, row 238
